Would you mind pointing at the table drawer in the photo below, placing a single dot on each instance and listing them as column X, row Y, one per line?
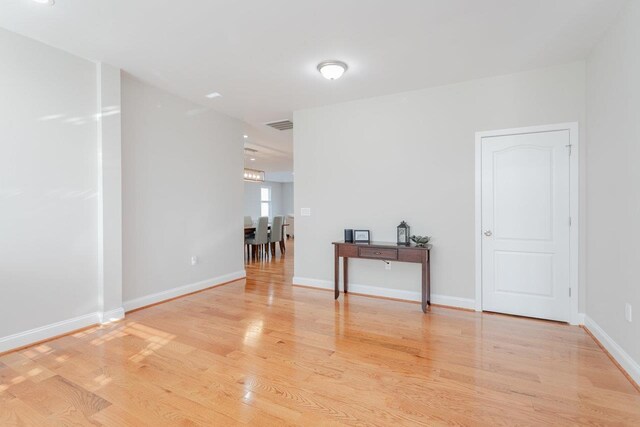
column 347, row 251
column 411, row 255
column 378, row 253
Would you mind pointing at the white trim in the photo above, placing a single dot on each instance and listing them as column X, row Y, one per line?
column 622, row 357
column 478, row 222
column 112, row 315
column 450, row 301
column 388, row 293
column 574, row 211
column 45, row 332
column 182, row 290
column 574, row 203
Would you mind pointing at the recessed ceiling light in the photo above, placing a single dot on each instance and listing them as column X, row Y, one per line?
column 253, row 159
column 213, row 95
column 245, row 136
column 47, row 2
column 332, row 70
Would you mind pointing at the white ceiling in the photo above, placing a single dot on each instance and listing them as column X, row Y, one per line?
column 267, row 157
column 262, row 55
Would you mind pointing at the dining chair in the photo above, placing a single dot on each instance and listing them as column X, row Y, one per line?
column 276, row 235
column 261, row 238
column 248, row 222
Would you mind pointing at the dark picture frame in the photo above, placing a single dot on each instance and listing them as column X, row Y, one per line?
column 361, row 236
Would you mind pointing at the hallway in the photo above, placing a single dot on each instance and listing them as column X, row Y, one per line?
column 276, row 269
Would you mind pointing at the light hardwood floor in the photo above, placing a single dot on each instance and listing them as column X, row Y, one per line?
column 262, row 352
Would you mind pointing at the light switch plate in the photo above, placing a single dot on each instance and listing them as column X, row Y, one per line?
column 305, row 211
column 628, row 314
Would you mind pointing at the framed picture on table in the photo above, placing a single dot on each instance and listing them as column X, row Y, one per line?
column 361, row 236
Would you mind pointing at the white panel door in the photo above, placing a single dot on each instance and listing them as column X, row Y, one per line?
column 525, row 225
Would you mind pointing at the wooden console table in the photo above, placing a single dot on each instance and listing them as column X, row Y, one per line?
column 384, row 252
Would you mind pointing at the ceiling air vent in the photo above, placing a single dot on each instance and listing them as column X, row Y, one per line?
column 281, row 125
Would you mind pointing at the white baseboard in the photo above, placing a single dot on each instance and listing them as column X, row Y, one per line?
column 313, row 283
column 181, row 290
column 112, row 315
column 45, row 332
column 389, row 293
column 468, row 303
column 622, row 357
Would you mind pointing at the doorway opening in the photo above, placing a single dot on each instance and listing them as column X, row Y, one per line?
column 269, row 223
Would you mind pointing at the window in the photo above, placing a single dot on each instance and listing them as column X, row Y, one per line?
column 265, row 201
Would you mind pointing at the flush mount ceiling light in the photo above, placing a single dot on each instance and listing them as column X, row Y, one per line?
column 332, row 70
column 213, row 95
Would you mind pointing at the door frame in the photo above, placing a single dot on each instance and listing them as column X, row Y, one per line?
column 574, row 207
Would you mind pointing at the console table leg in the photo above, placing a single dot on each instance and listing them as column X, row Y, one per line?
column 336, row 277
column 425, row 276
column 429, row 279
column 345, row 267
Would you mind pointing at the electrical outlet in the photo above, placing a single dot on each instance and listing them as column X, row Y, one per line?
column 194, row 260
column 628, row 312
column 387, row 265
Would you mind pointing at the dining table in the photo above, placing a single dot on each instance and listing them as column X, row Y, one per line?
column 248, row 229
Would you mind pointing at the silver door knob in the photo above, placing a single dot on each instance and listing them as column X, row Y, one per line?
column 488, row 233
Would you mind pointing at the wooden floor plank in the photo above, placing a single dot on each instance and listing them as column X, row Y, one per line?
column 263, row 352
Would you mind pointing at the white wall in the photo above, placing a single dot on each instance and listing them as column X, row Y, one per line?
column 182, row 195
column 48, row 190
column 613, row 196
column 252, row 198
column 373, row 163
column 61, row 189
column 287, row 198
